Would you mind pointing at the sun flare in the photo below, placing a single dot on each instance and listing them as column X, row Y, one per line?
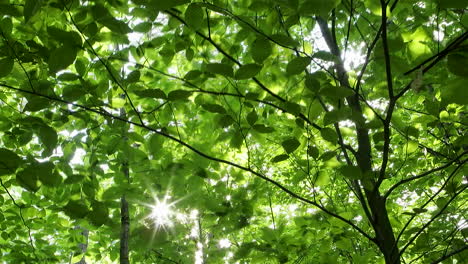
column 162, row 213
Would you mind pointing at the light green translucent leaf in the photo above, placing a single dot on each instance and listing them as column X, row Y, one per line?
column 118, row 102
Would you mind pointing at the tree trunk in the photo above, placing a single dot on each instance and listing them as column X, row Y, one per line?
column 124, row 231
column 383, row 228
column 124, row 214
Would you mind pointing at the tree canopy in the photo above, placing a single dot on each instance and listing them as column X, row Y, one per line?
column 248, row 131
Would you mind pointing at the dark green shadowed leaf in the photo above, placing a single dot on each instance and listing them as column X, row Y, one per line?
column 329, row 135
column 48, row 137
column 152, row 93
column 214, row 108
column 179, row 95
column 61, row 58
column 247, row 71
column 6, row 66
column 220, row 68
column 28, row 178
column 31, row 7
column 290, row 145
column 194, row 16
column 76, row 209
column 260, row 49
column 351, row 172
column 297, row 65
column 279, row 158
column 9, row 161
column 252, row 117
column 263, row 129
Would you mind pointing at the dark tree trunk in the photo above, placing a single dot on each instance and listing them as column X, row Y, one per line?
column 124, row 231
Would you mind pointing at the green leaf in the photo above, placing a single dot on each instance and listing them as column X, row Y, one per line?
column 326, row 156
column 155, row 145
column 143, row 27
column 67, row 76
column 312, row 83
column 297, row 65
column 220, row 68
column 453, row 90
column 313, row 152
column 284, row 40
column 329, row 135
column 151, row 93
column 6, row 25
column 134, row 76
column 178, row 95
column 262, row 128
column 192, row 75
column 76, row 209
column 334, row 117
column 48, row 137
column 290, row 145
column 31, row 7
column 279, row 158
column 317, row 7
column 458, row 4
column 162, row 5
column 64, row 37
column 225, row 120
column 458, row 64
column 214, row 108
column 322, row 178
column 61, row 58
column 36, row 104
column 72, row 93
column 99, row 214
column 336, row 92
column 6, row 66
column 194, row 16
column 292, row 108
column 351, row 172
column 252, row 117
column 28, row 178
column 47, row 175
column 9, row 162
column 247, row 71
column 260, row 50
column 411, row 146
column 324, row 55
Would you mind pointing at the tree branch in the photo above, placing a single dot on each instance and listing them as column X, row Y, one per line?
column 429, row 172
column 446, row 256
column 432, row 220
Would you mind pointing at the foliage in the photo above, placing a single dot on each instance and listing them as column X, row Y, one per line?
column 304, row 131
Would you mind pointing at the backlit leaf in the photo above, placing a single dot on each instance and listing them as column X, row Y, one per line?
column 290, row 145
column 297, row 65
